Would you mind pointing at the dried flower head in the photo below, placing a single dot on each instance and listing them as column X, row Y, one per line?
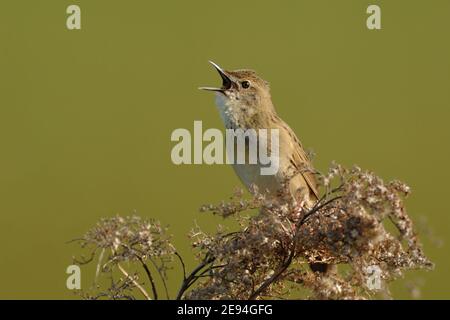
column 269, row 256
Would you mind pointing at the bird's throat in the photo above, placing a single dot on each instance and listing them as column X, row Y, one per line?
column 229, row 112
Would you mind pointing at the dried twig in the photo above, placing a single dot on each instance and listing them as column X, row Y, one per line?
column 141, row 289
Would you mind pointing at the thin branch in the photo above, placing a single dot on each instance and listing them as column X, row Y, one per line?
column 315, row 209
column 275, row 276
column 150, row 277
column 141, row 289
column 146, row 269
column 187, row 282
column 161, row 276
column 100, row 259
column 84, row 260
column 212, row 268
column 182, row 264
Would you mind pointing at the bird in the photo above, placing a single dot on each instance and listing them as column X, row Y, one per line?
column 244, row 102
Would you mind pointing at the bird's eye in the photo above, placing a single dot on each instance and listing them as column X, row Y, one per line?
column 245, row 84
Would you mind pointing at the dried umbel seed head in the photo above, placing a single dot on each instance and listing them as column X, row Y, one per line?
column 269, row 255
column 347, row 228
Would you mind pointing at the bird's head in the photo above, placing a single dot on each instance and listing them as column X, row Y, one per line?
column 242, row 91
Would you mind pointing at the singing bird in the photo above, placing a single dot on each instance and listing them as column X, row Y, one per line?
column 244, row 102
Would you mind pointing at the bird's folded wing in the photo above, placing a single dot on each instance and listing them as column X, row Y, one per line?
column 300, row 160
column 304, row 165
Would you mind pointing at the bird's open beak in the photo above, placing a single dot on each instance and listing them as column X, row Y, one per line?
column 226, row 81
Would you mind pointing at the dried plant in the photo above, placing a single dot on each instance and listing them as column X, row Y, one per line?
column 268, row 257
column 128, row 240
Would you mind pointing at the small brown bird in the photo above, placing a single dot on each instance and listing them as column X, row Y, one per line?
column 244, row 102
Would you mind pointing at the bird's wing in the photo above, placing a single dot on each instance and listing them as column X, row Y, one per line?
column 301, row 162
column 301, row 158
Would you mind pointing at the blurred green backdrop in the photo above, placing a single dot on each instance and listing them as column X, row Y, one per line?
column 86, row 116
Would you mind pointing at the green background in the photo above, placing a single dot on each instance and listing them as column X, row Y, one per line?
column 86, row 116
